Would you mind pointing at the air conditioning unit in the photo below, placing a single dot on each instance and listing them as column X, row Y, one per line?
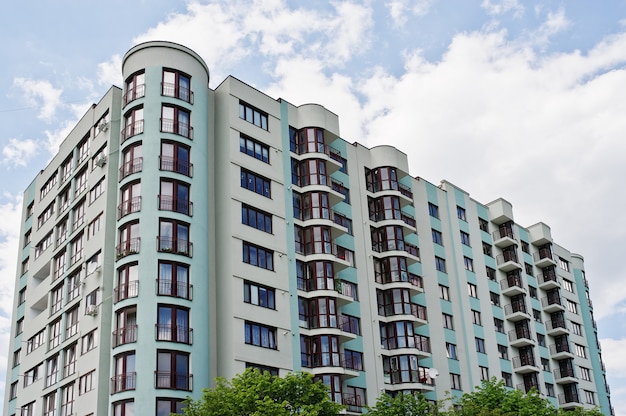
column 92, row 310
column 100, row 161
column 103, row 126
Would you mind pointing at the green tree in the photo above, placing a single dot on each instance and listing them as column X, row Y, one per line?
column 254, row 393
column 404, row 404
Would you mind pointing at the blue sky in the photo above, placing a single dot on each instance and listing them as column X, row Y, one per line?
column 505, row 98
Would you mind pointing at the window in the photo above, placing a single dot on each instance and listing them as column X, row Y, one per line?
column 50, row 404
column 66, row 169
column 45, row 215
column 24, row 267
column 176, row 120
column 43, row 244
column 13, row 390
column 444, row 292
column 132, row 161
column 351, row 324
column 460, row 211
column 173, row 280
column 549, row 389
column 491, row 273
column 541, row 340
column 86, row 382
column 174, row 237
column 451, row 351
column 580, row 350
column 127, row 282
column 498, row 324
column 563, row 264
column 260, row 335
column 73, row 287
column 469, row 264
column 503, row 352
column 254, row 148
column 80, row 183
column 472, row 290
column 173, row 324
column 52, row 370
column 175, row 157
column 532, row 291
column 177, row 84
column 76, row 250
column 487, row 250
column 35, row 341
column 69, row 366
column 28, row 409
column 256, row 183
column 537, row 315
column 568, row 285
column 483, row 224
column 455, row 381
column 97, row 190
column 590, row 397
column 89, row 341
column 173, row 370
column 480, row 345
column 353, row 359
column 258, row 256
column 48, row 186
column 576, row 328
column 21, row 297
column 33, row 375
column 585, row 373
column 508, row 379
column 437, row 238
column 165, row 406
column 495, row 298
column 54, row 334
column 309, row 172
column 78, row 215
column 336, row 156
column 94, row 226
column 447, row 321
column 258, row 295
column 71, row 322
column 525, row 247
column 135, row 87
column 175, row 196
column 572, row 306
column 252, row 115
column 465, row 238
column 528, row 268
column 484, row 373
column 440, row 264
column 125, row 375
column 433, row 210
column 476, row 318
column 19, row 326
column 124, row 408
column 256, row 218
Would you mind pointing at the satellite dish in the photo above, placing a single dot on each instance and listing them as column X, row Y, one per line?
column 433, row 373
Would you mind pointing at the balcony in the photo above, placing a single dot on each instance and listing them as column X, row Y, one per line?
column 401, row 311
column 512, row 286
column 128, row 207
column 504, row 237
column 392, row 216
column 507, row 261
column 390, row 186
column 398, row 345
column 171, row 164
column 125, row 291
column 548, row 280
column 128, row 247
column 131, row 130
column 124, row 335
column 174, row 333
column 130, row 167
column 565, row 375
column 176, row 127
column 181, row 290
column 524, row 364
column 331, row 363
column 569, row 399
column 552, row 304
column 134, row 93
column 516, row 311
column 561, row 351
column 528, row 387
column 123, row 382
column 169, row 203
column 400, row 280
column 555, row 327
column 352, row 402
column 173, row 381
column 522, row 337
column 401, row 379
column 543, row 258
column 175, row 246
column 169, row 89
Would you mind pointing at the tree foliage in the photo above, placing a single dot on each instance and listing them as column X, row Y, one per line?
column 254, row 393
column 403, row 404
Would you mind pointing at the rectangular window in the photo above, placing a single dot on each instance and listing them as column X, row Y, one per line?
column 176, row 120
column 175, row 84
column 175, row 196
column 465, row 238
column 451, row 351
column 503, row 352
column 580, row 350
column 173, row 324
column 444, row 292
column 483, row 224
column 256, row 183
column 480, row 345
column 252, row 115
column 97, row 190
column 83, row 149
column 537, row 315
column 448, row 323
column 174, row 280
column 469, row 264
column 86, row 382
column 89, row 341
column 45, row 215
column 528, row 268
column 78, row 215
column 263, row 368
column 495, row 298
column 260, row 335
column 585, row 373
column 532, row 292
column 69, row 366
column 525, row 247
column 254, row 148
column 351, row 324
column 541, row 340
column 498, row 324
column 440, row 264
column 433, row 210
column 54, row 334
column 508, row 379
column 48, row 186
column 354, row 360
column 256, row 218
column 258, row 256
column 476, row 318
column 549, row 389
column 94, row 226
column 13, row 391
column 590, row 397
column 455, row 381
column 487, row 250
column 44, row 244
column 572, row 306
column 563, row 264
column 484, row 373
column 472, row 290
column 491, row 273
column 259, row 295
column 576, row 328
column 437, row 237
column 174, row 237
column 80, row 183
column 35, row 341
column 460, row 211
column 568, row 285
column 19, row 326
column 71, row 323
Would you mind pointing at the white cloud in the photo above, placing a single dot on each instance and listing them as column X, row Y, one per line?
column 499, row 7
column 42, row 94
column 110, row 72
column 19, row 152
column 401, row 10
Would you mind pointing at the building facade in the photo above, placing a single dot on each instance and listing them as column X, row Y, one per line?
column 183, row 233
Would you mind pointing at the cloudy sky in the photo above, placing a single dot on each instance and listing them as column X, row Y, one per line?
column 505, row 98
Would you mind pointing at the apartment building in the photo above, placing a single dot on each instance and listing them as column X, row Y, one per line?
column 183, row 233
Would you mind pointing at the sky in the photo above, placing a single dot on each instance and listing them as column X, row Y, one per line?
column 522, row 100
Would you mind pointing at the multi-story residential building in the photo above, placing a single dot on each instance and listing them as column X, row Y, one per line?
column 183, row 233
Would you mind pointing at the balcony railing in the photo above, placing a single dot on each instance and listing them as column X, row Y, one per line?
column 390, row 186
column 418, row 311
column 399, row 277
column 124, row 335
column 174, row 333
column 556, row 323
column 521, row 333
column 182, row 290
column 123, row 382
column 548, row 276
column 571, row 397
column 128, row 207
column 132, row 130
column 506, row 256
column 175, row 245
column 503, row 233
column 169, row 89
column 512, row 281
column 524, row 360
column 352, row 402
column 176, row 127
column 560, row 348
column 542, row 253
column 126, row 290
column 130, row 167
column 172, row 164
column 564, row 372
column 174, row 381
column 515, row 307
column 527, row 387
column 420, row 343
column 169, row 203
column 128, row 247
column 551, row 300
column 134, row 93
